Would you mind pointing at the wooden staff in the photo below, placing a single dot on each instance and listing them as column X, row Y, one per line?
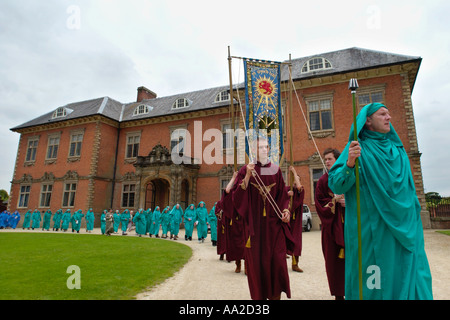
column 291, row 153
column 353, row 85
column 233, row 126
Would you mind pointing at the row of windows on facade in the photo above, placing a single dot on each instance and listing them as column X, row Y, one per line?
column 128, row 192
column 53, row 146
column 69, row 193
column 319, row 111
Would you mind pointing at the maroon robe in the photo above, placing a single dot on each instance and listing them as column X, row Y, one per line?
column 267, row 237
column 221, row 226
column 331, row 214
column 296, row 222
column 234, row 229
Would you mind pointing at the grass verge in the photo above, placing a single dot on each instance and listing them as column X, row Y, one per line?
column 34, row 266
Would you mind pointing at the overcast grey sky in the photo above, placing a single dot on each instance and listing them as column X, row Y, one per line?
column 55, row 52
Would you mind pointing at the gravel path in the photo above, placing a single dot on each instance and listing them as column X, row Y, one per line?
column 205, row 277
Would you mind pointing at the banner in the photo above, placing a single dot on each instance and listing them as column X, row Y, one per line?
column 263, row 106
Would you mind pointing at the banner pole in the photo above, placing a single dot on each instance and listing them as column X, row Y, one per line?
column 233, row 126
column 291, row 154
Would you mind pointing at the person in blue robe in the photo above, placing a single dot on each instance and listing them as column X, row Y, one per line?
column 15, row 220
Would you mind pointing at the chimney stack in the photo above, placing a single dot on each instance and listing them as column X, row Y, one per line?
column 144, row 93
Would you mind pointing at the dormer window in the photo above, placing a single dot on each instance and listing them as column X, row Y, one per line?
column 222, row 96
column 61, row 112
column 180, row 103
column 316, row 64
column 142, row 109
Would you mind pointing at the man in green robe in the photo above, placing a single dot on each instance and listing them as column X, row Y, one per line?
column 116, row 221
column 177, row 215
column 27, row 220
column 394, row 263
column 148, row 219
column 36, row 219
column 47, row 219
column 90, row 218
column 201, row 215
column 140, row 222
column 212, row 221
column 165, row 222
column 189, row 219
column 76, row 220
column 125, row 217
column 103, row 221
column 66, row 217
column 57, row 220
column 156, row 222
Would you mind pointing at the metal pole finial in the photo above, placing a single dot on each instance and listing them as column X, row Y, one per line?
column 353, row 85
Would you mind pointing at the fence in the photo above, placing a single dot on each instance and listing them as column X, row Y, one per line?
column 439, row 208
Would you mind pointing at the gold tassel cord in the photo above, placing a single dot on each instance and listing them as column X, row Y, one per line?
column 248, row 244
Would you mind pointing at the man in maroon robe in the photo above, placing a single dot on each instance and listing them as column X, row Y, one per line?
column 296, row 222
column 331, row 211
column 221, row 226
column 266, row 225
column 233, row 226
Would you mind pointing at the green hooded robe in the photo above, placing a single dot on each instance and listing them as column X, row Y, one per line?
column 189, row 219
column 201, row 215
column 394, row 263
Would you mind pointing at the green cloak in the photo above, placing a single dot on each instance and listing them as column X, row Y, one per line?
column 394, row 263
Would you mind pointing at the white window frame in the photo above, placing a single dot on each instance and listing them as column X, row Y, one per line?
column 135, row 150
column 45, row 194
column 32, row 148
column 71, row 194
column 24, row 196
column 128, row 192
column 309, row 66
column 181, row 103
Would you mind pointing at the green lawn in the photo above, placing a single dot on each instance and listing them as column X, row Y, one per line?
column 34, row 265
column 447, row 232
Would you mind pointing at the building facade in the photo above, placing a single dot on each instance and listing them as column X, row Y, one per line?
column 103, row 154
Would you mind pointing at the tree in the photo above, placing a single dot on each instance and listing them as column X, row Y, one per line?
column 4, row 196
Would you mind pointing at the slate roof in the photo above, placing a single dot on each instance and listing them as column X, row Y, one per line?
column 352, row 59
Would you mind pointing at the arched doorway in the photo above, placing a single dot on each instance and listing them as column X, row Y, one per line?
column 157, row 193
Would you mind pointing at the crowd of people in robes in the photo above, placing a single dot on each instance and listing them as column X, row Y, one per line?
column 258, row 219
column 154, row 223
column 9, row 219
